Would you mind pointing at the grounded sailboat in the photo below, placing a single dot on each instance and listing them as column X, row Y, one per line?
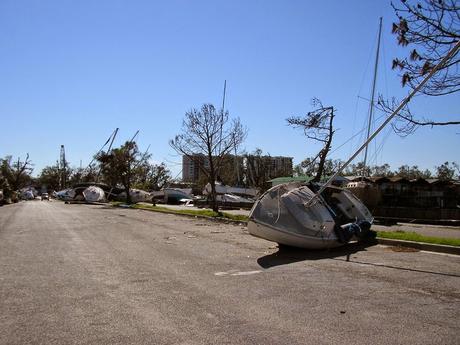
column 318, row 217
column 335, row 217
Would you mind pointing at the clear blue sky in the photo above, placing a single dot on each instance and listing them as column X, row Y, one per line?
column 73, row 71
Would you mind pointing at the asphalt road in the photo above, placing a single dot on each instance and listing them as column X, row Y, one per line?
column 81, row 274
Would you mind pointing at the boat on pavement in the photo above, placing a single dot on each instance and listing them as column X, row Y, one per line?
column 284, row 215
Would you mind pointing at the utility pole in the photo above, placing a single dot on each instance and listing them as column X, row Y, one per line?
column 63, row 167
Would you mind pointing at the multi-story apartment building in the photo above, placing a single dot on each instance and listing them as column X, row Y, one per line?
column 260, row 169
column 250, row 170
column 191, row 171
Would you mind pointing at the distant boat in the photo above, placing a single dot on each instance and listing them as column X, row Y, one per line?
column 137, row 195
column 94, row 194
column 223, row 189
column 27, row 194
column 177, row 195
column 230, row 197
column 65, row 194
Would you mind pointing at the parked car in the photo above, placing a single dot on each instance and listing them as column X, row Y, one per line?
column 45, row 196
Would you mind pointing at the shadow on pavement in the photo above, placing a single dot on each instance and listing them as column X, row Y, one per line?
column 403, row 268
column 288, row 255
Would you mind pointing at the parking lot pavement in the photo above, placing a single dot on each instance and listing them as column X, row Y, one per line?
column 81, row 274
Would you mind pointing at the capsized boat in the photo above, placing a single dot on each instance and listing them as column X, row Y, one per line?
column 292, row 215
column 137, row 195
column 65, row 194
column 234, row 201
column 177, row 195
column 223, row 189
column 94, row 194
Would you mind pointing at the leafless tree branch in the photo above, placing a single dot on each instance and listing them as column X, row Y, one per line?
column 317, row 125
column 432, row 27
column 405, row 122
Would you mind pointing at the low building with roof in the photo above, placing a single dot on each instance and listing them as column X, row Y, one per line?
column 338, row 181
column 415, row 199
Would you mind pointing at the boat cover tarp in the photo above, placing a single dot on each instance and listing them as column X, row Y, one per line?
column 137, row 195
column 283, row 207
column 223, row 189
column 66, row 194
column 94, row 194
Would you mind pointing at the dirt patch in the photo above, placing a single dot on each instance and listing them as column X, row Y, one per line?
column 400, row 249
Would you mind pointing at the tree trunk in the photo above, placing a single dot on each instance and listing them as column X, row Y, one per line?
column 212, row 178
column 127, row 186
column 214, row 205
column 128, row 195
column 322, row 159
column 325, row 150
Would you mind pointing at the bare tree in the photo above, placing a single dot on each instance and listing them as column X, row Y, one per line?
column 14, row 175
column 432, row 27
column 317, row 126
column 21, row 171
column 406, row 123
column 210, row 133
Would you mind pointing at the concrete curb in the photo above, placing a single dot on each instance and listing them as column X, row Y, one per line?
column 213, row 219
column 84, row 202
column 437, row 248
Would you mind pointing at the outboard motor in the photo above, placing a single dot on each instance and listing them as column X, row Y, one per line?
column 360, row 229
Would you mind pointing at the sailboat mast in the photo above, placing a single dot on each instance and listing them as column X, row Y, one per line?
column 223, row 97
column 222, row 117
column 395, row 112
column 371, row 105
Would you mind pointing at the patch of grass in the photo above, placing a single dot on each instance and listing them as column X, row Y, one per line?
column 116, row 203
column 205, row 213
column 413, row 236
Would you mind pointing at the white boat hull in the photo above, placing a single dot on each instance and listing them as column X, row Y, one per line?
column 285, row 215
column 287, row 238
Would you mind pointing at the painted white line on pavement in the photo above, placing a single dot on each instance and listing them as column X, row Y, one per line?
column 236, row 273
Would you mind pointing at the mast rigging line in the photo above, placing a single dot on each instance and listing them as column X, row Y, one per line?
column 134, row 137
column 403, row 103
column 371, row 105
column 222, row 117
column 114, row 133
column 113, row 138
column 345, row 142
column 379, row 149
column 142, row 158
